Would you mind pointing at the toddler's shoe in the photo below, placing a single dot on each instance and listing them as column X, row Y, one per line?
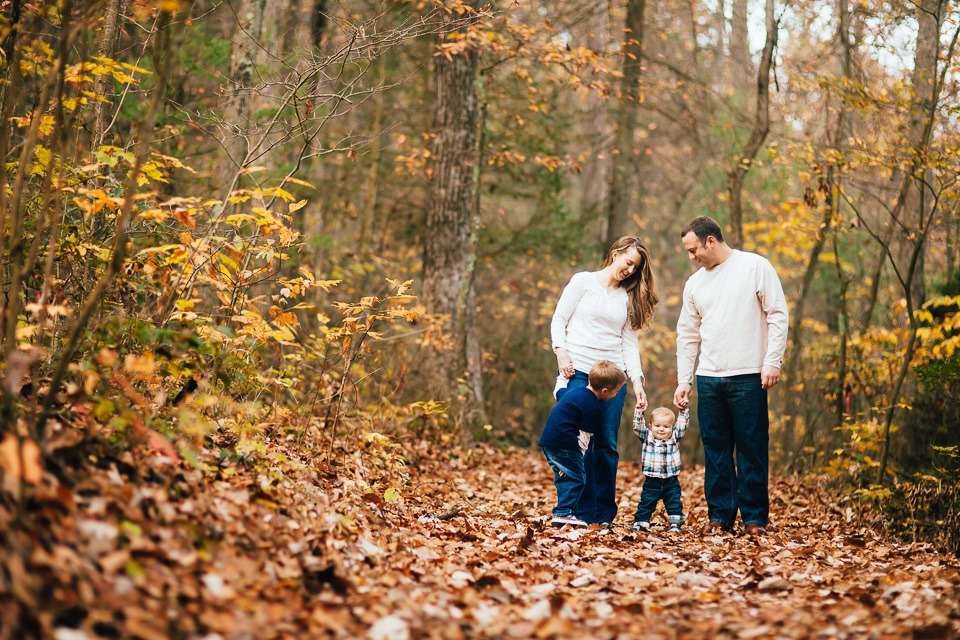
column 574, row 521
column 641, row 525
column 674, row 528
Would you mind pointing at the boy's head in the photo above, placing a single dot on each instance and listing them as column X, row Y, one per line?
column 662, row 420
column 606, row 378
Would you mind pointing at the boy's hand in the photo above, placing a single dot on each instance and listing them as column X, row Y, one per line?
column 681, row 397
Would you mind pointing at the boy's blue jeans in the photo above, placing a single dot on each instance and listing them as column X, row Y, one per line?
column 568, row 476
column 598, row 502
column 656, row 489
column 734, row 424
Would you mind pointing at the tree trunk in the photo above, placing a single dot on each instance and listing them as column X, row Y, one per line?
column 828, row 197
column 761, row 127
column 927, row 84
column 371, row 187
column 742, row 66
column 447, row 246
column 622, row 178
column 238, row 93
column 106, row 48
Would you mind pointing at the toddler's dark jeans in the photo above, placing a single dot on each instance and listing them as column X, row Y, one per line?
column 656, row 489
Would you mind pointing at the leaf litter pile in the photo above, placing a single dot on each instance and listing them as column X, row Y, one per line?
column 148, row 548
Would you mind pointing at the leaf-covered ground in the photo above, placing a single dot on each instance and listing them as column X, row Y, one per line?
column 143, row 549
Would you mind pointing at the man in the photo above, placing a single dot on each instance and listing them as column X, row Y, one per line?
column 734, row 316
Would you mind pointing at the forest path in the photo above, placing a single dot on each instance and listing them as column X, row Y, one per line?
column 493, row 567
column 298, row 549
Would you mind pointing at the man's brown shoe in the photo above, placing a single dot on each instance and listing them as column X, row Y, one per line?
column 713, row 527
column 755, row 529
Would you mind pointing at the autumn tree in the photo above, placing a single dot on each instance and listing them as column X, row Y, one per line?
column 449, row 259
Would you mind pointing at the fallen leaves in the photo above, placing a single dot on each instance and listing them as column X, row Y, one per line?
column 197, row 552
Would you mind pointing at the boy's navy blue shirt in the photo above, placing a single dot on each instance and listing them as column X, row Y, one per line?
column 576, row 410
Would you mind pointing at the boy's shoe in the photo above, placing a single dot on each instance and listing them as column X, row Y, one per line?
column 674, row 528
column 641, row 525
column 574, row 521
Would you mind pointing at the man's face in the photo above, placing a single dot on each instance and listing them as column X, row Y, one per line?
column 704, row 254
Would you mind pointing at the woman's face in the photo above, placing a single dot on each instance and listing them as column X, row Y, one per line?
column 625, row 263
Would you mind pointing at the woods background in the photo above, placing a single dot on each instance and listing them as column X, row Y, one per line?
column 344, row 225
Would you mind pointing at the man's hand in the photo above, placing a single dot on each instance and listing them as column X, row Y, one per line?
column 681, row 397
column 769, row 376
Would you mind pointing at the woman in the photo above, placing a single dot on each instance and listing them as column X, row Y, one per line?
column 597, row 318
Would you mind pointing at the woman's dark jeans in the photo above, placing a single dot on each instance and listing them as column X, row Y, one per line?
column 567, row 465
column 733, row 423
column 598, row 502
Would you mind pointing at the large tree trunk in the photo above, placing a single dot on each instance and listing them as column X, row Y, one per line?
column 622, row 179
column 447, row 242
column 761, row 127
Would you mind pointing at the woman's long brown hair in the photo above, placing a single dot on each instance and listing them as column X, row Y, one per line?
column 641, row 287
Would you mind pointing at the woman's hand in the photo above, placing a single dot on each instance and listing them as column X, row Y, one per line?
column 564, row 363
column 681, row 397
column 641, row 395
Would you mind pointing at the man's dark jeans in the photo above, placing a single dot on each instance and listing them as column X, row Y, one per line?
column 598, row 502
column 734, row 424
column 656, row 489
column 567, row 465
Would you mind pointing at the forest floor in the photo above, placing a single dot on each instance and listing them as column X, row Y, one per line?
column 148, row 549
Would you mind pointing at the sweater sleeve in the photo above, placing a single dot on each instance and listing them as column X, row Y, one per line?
column 640, row 426
column 566, row 307
column 774, row 305
column 631, row 353
column 688, row 336
column 683, row 420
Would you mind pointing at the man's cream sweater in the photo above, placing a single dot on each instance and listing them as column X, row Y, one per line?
column 735, row 316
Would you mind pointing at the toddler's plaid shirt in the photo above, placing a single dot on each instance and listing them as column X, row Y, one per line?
column 661, row 458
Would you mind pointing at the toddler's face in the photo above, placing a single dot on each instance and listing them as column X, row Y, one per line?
column 661, row 427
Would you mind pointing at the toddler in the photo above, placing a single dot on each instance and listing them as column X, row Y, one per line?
column 661, row 465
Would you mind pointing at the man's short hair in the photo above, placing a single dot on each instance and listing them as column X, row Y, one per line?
column 606, row 375
column 663, row 411
column 703, row 227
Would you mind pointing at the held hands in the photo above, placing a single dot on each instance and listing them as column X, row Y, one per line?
column 564, row 363
column 641, row 395
column 769, row 376
column 681, row 397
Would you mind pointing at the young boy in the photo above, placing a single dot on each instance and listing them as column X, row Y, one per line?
column 661, row 465
column 576, row 410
